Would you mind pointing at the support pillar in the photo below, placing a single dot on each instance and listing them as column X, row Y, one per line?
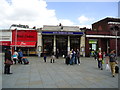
column 68, row 49
column 82, row 45
column 39, row 43
column 54, row 45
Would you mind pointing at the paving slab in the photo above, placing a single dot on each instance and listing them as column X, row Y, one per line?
column 39, row 74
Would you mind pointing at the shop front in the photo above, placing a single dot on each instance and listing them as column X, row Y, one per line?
column 24, row 40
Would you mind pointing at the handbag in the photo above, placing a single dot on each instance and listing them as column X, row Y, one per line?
column 9, row 62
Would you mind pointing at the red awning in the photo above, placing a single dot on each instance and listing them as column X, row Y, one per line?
column 5, row 43
column 23, row 44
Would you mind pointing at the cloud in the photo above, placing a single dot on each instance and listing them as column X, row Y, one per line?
column 28, row 12
column 83, row 19
column 66, row 22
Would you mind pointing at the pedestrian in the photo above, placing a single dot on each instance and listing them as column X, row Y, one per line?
column 15, row 56
column 104, row 54
column 100, row 58
column 20, row 55
column 45, row 57
column 113, row 61
column 7, row 57
column 72, row 60
column 52, row 60
column 78, row 57
column 67, row 59
column 57, row 53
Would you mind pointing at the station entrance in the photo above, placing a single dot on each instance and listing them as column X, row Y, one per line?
column 47, row 44
column 61, row 45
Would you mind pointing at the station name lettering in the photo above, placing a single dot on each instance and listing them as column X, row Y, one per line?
column 62, row 32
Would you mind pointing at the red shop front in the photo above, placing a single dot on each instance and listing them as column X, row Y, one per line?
column 24, row 40
column 4, row 45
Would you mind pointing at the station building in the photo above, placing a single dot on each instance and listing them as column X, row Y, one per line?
column 63, row 38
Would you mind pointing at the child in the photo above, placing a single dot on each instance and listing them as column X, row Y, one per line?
column 52, row 58
column 15, row 56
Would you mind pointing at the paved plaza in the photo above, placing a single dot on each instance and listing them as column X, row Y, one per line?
column 38, row 74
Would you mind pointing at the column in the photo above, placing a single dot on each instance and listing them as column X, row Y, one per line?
column 68, row 47
column 54, row 45
column 39, row 44
column 82, row 45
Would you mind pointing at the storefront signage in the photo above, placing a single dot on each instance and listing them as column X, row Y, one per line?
column 66, row 33
column 92, row 42
column 24, row 35
column 5, row 43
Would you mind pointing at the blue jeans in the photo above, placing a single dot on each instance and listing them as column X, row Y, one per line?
column 100, row 64
column 72, row 60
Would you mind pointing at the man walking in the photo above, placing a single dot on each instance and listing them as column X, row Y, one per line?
column 112, row 60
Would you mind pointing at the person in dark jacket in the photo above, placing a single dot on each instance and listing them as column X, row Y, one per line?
column 78, row 56
column 45, row 57
column 7, row 66
column 57, row 53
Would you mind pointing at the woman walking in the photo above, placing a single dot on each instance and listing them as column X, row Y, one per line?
column 100, row 58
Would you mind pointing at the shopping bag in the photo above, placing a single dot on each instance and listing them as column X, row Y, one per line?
column 107, row 67
column 103, row 62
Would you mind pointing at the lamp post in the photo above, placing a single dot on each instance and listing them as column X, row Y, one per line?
column 16, row 39
column 115, row 29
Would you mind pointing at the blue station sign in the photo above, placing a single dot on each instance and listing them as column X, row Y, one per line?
column 62, row 33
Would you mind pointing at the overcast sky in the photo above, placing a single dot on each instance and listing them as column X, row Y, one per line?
column 52, row 12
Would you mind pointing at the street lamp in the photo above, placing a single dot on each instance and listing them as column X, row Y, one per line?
column 115, row 29
column 15, row 39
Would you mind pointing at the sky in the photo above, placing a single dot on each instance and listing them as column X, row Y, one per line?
column 82, row 13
